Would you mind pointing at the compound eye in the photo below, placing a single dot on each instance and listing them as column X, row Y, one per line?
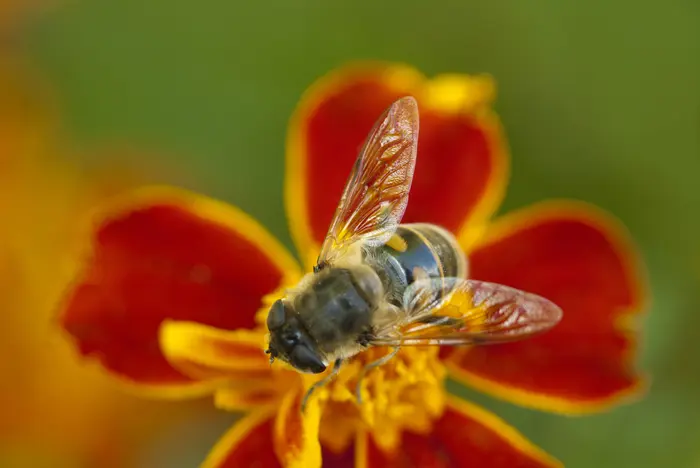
column 276, row 315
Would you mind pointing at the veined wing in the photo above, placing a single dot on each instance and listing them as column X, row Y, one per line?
column 376, row 193
column 456, row 311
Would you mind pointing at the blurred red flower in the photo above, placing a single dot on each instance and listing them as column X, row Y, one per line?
column 56, row 410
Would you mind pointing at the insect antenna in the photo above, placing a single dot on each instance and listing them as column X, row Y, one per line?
column 272, row 353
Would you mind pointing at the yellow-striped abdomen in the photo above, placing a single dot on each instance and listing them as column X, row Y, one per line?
column 414, row 252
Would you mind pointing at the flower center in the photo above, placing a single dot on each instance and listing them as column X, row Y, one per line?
column 406, row 392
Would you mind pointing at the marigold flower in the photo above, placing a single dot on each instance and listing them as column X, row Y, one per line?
column 175, row 294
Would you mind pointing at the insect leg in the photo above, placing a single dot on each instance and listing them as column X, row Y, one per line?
column 379, row 362
column 321, row 383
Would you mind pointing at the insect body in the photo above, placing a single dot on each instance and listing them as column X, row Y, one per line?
column 381, row 283
column 337, row 311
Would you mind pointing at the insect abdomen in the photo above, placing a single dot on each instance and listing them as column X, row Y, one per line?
column 417, row 251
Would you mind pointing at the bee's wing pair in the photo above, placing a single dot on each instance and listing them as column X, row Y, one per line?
column 448, row 311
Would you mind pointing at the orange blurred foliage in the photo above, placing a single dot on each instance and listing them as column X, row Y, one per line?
column 57, row 410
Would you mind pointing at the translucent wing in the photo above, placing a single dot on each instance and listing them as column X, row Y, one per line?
column 456, row 311
column 376, row 193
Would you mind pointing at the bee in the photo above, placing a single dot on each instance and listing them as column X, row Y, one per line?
column 381, row 283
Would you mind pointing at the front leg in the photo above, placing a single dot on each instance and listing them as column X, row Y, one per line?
column 321, row 383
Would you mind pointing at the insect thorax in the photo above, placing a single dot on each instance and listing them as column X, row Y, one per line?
column 337, row 307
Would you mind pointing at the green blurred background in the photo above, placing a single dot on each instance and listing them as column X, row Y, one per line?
column 600, row 101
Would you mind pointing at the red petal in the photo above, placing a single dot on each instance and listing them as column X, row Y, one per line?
column 460, row 147
column 345, row 459
column 265, row 436
column 465, row 436
column 247, row 444
column 581, row 259
column 296, row 433
column 165, row 254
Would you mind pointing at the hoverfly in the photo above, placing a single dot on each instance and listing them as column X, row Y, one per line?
column 381, row 283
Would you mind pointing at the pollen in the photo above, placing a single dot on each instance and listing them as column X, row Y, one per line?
column 397, row 243
column 405, row 393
